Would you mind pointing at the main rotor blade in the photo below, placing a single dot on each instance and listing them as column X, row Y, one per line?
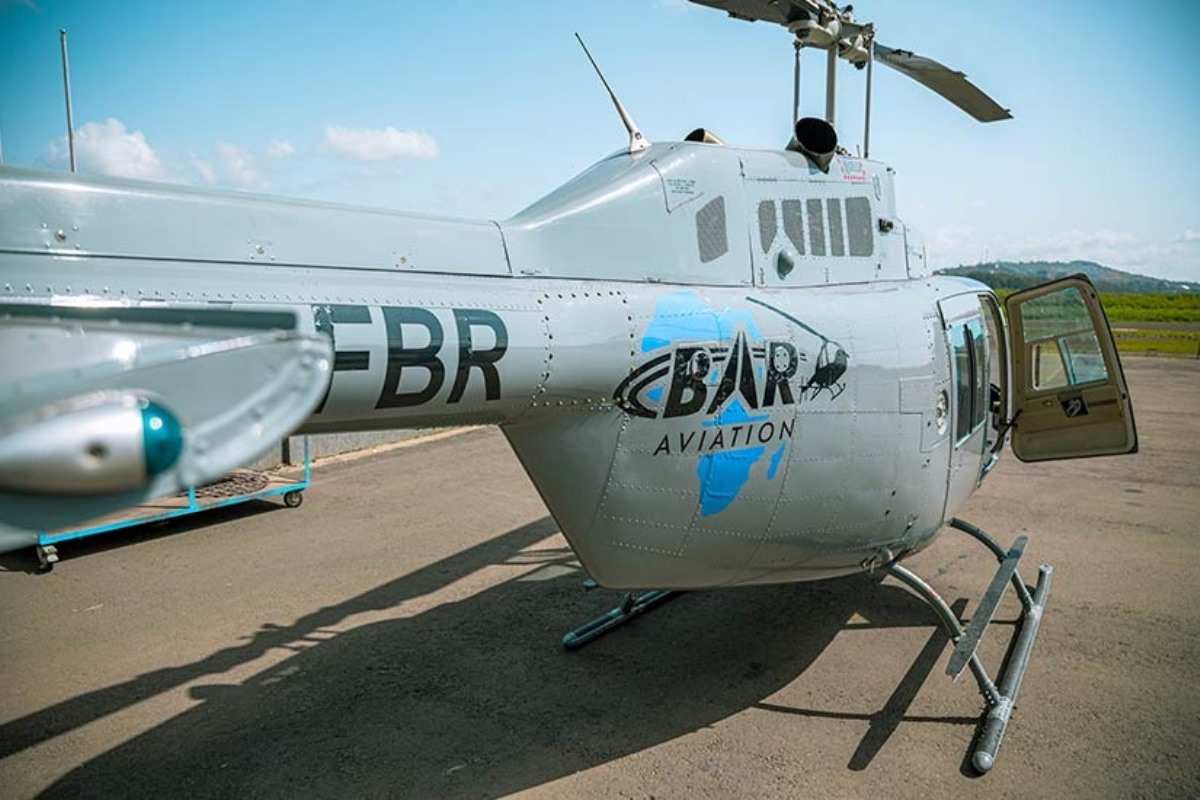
column 950, row 84
column 781, row 12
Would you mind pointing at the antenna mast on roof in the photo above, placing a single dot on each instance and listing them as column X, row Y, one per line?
column 637, row 142
column 62, row 40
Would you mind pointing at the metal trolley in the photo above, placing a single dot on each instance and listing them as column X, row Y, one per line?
column 239, row 486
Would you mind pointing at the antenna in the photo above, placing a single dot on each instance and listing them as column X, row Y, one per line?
column 637, row 142
column 62, row 40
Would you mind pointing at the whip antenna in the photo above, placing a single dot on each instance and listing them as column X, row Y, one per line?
column 637, row 142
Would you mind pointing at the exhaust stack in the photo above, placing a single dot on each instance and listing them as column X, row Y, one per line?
column 816, row 139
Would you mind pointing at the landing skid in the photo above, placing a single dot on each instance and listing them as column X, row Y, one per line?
column 631, row 605
column 1001, row 696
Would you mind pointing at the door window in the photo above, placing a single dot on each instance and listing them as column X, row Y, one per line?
column 1064, row 350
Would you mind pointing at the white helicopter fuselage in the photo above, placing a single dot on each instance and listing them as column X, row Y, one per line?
column 718, row 366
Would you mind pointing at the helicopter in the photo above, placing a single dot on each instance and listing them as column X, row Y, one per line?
column 720, row 367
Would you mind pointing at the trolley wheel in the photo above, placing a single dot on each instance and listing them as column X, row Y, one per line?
column 47, row 556
column 293, row 499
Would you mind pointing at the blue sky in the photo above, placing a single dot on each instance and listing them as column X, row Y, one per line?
column 477, row 109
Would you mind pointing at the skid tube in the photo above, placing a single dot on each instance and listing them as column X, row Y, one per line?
column 631, row 605
column 1001, row 696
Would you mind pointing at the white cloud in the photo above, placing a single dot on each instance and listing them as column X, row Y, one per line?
column 233, row 166
column 1077, row 244
column 281, row 148
column 379, row 144
column 107, row 147
column 1190, row 236
column 238, row 167
column 207, row 173
column 944, row 242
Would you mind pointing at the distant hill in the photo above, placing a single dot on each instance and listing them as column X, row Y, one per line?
column 1022, row 275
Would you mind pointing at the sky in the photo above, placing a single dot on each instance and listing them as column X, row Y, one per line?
column 476, row 109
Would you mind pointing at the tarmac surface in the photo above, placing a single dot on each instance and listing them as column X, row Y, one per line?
column 398, row 636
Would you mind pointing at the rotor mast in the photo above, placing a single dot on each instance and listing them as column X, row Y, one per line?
column 823, row 26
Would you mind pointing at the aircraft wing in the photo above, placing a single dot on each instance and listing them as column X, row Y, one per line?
column 102, row 408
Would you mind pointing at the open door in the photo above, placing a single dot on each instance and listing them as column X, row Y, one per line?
column 1069, row 394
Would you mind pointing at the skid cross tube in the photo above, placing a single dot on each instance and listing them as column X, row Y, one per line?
column 1001, row 696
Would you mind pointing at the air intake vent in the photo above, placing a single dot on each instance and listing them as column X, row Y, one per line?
column 767, row 226
column 710, row 231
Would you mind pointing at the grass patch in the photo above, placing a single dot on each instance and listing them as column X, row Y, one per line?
column 1149, row 342
column 1152, row 307
column 1144, row 307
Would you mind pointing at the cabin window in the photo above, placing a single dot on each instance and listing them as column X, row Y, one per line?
column 837, row 239
column 767, row 224
column 816, row 227
column 962, row 382
column 793, row 223
column 979, row 373
column 711, row 236
column 858, row 224
column 970, row 380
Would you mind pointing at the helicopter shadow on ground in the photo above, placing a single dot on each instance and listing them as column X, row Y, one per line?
column 475, row 697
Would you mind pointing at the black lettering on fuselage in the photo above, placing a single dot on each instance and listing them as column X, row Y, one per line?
column 401, row 357
column 483, row 360
column 689, row 390
column 738, row 376
column 425, row 358
column 782, row 363
column 685, row 378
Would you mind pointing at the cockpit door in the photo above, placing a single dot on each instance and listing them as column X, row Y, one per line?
column 1069, row 395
